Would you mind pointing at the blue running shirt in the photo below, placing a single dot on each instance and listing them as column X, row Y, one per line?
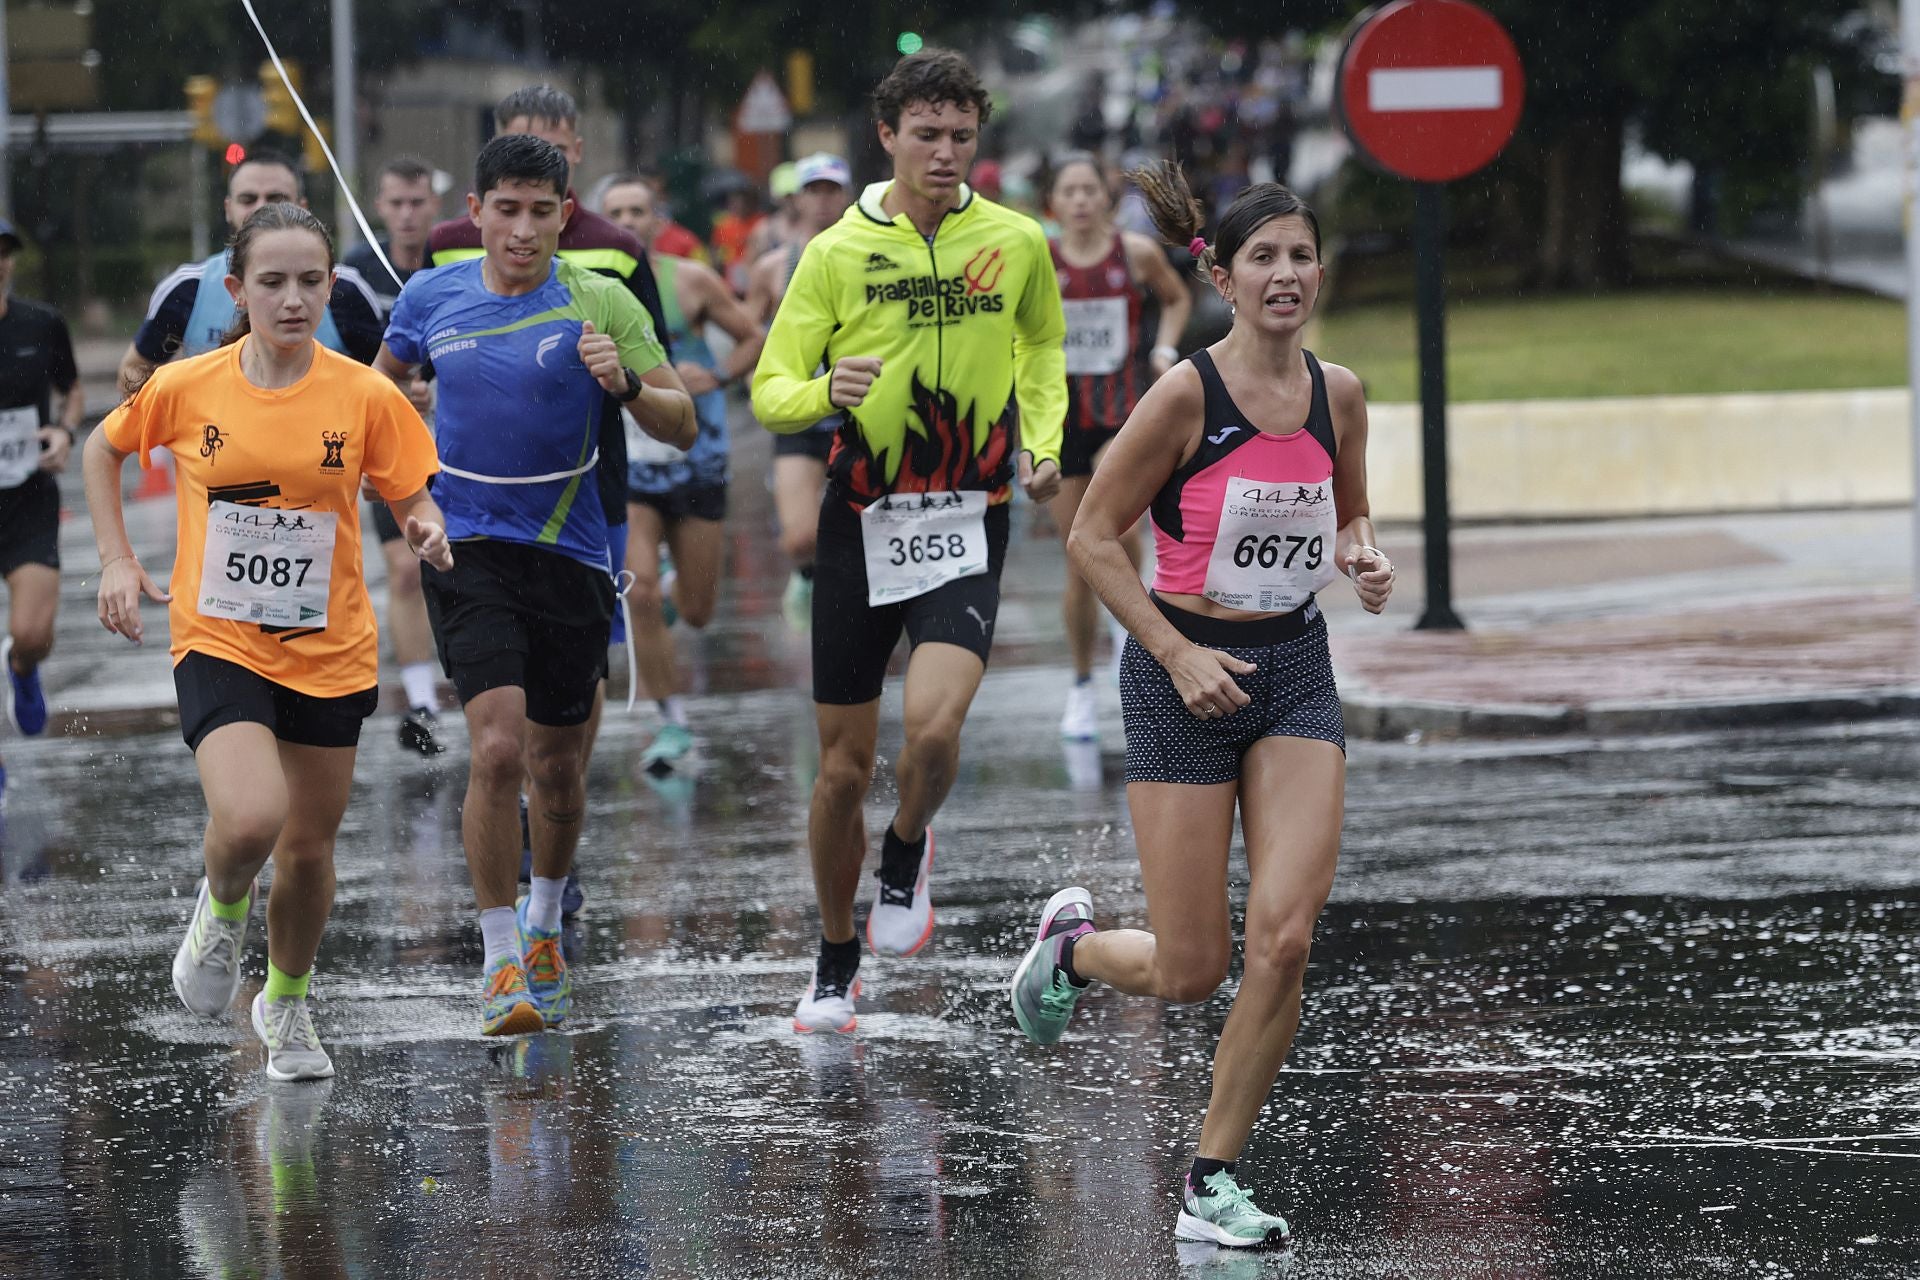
column 516, row 401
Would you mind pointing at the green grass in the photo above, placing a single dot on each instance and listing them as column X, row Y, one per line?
column 1658, row 342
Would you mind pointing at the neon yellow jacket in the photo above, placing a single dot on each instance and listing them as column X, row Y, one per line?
column 966, row 327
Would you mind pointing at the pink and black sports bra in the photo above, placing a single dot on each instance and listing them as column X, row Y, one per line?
column 1249, row 520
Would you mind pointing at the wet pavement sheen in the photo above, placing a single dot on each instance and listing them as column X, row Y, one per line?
column 1634, row 1008
column 1621, row 1007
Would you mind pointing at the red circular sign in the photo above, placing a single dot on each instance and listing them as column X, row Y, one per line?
column 1430, row 89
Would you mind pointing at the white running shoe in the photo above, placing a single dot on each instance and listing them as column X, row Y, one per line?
column 1081, row 723
column 206, row 968
column 826, row 1008
column 901, row 921
column 293, row 1047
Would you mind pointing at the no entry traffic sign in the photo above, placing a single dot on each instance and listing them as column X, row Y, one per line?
column 1430, row 89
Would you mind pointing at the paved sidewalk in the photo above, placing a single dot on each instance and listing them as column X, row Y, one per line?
column 1606, row 627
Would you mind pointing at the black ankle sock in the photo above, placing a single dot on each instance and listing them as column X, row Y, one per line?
column 1066, row 961
column 1203, row 1169
column 838, row 961
column 900, row 861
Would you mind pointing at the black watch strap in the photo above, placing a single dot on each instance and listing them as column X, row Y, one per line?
column 634, row 385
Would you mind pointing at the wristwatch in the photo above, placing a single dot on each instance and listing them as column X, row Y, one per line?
column 634, row 387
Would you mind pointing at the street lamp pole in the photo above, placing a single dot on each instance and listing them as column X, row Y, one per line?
column 346, row 142
column 1910, row 122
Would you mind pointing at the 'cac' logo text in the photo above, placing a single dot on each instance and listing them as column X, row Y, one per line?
column 333, row 442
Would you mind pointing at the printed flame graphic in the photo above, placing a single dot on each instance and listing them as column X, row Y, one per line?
column 937, row 451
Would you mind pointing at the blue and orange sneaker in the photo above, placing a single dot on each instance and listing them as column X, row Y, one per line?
column 507, row 1009
column 546, row 968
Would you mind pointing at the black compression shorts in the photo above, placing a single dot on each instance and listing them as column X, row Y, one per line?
column 853, row 640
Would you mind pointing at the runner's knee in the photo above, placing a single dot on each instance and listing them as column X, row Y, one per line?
column 555, row 771
column 1189, row 975
column 1278, row 954
column 403, row 575
column 845, row 773
column 797, row 544
column 32, row 644
column 251, row 826
column 496, row 759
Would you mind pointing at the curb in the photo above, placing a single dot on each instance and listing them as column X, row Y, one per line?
column 1373, row 717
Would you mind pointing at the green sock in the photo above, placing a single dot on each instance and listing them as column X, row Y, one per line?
column 282, row 987
column 229, row 910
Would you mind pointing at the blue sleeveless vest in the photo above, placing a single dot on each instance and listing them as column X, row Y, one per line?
column 213, row 313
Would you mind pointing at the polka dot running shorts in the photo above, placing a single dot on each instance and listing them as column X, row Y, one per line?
column 1292, row 690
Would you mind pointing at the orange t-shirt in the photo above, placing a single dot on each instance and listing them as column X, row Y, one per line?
column 302, row 450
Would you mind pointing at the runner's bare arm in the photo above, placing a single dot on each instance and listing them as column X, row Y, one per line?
column 122, row 580
column 762, row 287
column 424, row 528
column 663, row 408
column 1354, row 552
column 720, row 307
column 1176, row 304
column 1161, row 433
column 394, row 367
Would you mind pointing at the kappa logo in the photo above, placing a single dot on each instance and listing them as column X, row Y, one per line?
column 546, row 345
column 881, row 262
column 335, row 443
column 1222, row 437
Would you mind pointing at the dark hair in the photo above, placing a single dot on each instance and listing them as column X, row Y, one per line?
column 407, row 168
column 1060, row 164
column 1177, row 215
column 519, row 157
column 268, row 217
column 279, row 158
column 536, row 102
column 932, row 76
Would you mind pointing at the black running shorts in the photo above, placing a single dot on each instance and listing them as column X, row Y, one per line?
column 517, row 616
column 214, row 692
column 852, row 640
column 30, row 523
column 1078, row 447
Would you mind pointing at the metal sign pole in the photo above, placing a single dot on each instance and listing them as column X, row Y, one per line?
column 1429, row 250
column 346, row 140
column 1910, row 118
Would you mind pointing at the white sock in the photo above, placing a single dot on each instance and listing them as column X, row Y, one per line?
column 543, row 905
column 418, row 679
column 501, row 935
column 674, row 710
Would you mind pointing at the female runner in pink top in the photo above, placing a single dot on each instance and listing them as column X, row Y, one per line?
column 1251, row 457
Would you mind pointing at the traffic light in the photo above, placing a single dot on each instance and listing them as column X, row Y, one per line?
column 200, row 93
column 909, row 42
column 282, row 115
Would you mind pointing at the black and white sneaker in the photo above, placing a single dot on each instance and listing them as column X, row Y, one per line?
column 420, row 732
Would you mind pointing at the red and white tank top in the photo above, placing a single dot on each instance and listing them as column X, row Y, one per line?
column 1248, row 521
column 1107, row 357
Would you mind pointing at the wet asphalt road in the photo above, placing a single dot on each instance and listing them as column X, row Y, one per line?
column 1624, row 1008
column 1634, row 1008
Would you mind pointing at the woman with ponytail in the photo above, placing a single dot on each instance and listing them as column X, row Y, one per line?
column 271, row 631
column 1251, row 458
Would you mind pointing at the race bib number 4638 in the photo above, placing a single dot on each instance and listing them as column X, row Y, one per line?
column 267, row 566
column 915, row 542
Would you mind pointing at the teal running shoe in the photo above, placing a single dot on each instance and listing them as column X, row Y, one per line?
column 548, row 982
column 796, row 603
column 668, row 748
column 1226, row 1215
column 1043, row 997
